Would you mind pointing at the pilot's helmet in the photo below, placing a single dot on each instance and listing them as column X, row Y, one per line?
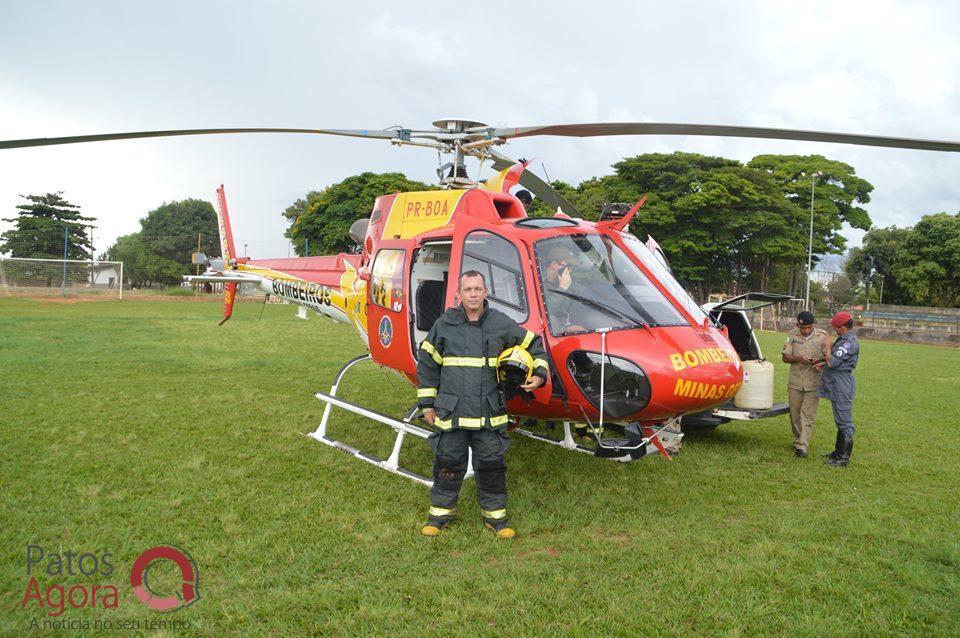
column 514, row 366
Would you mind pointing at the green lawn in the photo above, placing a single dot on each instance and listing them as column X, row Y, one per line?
column 125, row 425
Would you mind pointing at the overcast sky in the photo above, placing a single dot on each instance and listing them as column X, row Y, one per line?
column 67, row 68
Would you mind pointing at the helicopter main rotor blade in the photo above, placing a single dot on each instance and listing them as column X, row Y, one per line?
column 657, row 128
column 79, row 139
column 535, row 185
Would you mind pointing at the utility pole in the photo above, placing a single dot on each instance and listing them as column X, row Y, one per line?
column 867, row 284
column 196, row 285
column 93, row 258
column 63, row 285
column 813, row 190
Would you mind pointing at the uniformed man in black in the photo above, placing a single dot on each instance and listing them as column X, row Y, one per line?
column 839, row 385
column 462, row 398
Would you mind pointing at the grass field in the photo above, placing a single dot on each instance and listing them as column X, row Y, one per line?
column 125, row 425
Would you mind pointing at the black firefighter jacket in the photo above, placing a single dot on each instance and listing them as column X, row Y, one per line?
column 457, row 367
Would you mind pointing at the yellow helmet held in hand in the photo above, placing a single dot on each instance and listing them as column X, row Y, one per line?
column 514, row 366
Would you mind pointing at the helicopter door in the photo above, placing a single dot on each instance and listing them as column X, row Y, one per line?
column 498, row 260
column 428, row 283
column 387, row 309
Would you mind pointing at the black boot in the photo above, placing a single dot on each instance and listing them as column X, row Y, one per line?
column 844, row 459
column 837, row 448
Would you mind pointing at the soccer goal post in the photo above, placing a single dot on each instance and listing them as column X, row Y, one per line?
column 27, row 277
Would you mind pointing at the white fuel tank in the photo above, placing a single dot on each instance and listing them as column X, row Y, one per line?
column 756, row 393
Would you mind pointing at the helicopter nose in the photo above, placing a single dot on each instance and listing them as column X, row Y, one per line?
column 700, row 388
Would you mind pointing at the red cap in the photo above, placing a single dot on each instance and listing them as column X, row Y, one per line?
column 841, row 319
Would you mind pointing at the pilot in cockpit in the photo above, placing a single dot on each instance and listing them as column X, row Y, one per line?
column 558, row 278
column 525, row 198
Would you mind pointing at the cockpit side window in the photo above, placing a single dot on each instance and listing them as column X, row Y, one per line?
column 497, row 259
column 656, row 264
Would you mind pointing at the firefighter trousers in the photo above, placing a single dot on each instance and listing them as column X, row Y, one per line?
column 450, row 465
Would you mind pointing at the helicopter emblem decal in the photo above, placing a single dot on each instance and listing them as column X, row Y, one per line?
column 386, row 332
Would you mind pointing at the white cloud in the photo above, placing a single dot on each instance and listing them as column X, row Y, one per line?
column 407, row 44
column 881, row 67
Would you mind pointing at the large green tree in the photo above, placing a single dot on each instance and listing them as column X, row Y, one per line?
column 299, row 207
column 319, row 224
column 43, row 225
column 837, row 194
column 872, row 265
column 160, row 252
column 729, row 226
column 722, row 224
column 142, row 266
column 928, row 262
column 172, row 230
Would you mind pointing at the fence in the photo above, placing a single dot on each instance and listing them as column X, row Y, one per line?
column 60, row 277
column 911, row 323
column 59, row 263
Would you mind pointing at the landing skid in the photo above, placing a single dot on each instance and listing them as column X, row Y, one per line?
column 653, row 440
column 402, row 428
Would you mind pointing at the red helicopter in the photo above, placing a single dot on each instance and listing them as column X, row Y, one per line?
column 627, row 345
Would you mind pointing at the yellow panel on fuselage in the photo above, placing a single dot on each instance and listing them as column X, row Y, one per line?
column 415, row 213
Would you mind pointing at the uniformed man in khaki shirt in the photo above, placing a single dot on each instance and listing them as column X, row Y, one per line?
column 805, row 347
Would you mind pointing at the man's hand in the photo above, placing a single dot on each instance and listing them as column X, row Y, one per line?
column 565, row 279
column 531, row 385
column 429, row 415
column 818, row 366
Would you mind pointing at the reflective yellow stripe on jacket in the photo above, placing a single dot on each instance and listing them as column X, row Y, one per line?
column 429, row 349
column 472, row 423
column 469, row 362
column 527, row 340
column 423, row 393
column 467, row 422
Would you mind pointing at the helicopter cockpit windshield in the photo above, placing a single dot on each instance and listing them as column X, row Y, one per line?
column 589, row 283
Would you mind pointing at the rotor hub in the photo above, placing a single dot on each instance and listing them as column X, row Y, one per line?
column 453, row 125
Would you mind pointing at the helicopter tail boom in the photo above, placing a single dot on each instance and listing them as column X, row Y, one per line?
column 227, row 249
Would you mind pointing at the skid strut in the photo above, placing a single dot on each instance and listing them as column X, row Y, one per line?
column 402, row 428
column 631, row 450
column 567, row 443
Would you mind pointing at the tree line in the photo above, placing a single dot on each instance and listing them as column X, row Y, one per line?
column 910, row 266
column 725, row 225
column 48, row 227
column 159, row 254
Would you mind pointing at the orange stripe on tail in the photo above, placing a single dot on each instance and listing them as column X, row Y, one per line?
column 226, row 233
column 229, row 294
